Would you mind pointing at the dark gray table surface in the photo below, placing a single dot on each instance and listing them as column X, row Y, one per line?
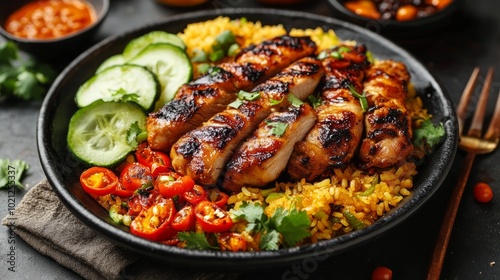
column 472, row 39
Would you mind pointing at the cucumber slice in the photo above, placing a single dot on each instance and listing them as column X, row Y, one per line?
column 114, row 60
column 98, row 134
column 170, row 64
column 135, row 46
column 121, row 83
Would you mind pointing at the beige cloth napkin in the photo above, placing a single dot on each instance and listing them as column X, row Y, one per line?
column 47, row 225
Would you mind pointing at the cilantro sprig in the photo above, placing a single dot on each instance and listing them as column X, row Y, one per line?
column 244, row 96
column 428, row 133
column 25, row 79
column 290, row 226
column 11, row 172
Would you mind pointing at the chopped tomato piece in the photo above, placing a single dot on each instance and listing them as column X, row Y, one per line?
column 232, row 241
column 98, row 181
column 212, row 218
column 184, row 220
column 155, row 222
column 195, row 195
column 168, row 186
column 157, row 161
column 122, row 192
column 218, row 197
column 135, row 175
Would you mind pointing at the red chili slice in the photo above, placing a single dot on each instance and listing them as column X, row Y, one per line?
column 212, row 218
column 155, row 222
column 184, row 220
column 98, row 181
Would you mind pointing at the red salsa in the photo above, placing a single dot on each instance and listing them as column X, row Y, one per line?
column 49, row 19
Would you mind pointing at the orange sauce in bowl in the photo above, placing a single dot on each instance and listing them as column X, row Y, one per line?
column 50, row 19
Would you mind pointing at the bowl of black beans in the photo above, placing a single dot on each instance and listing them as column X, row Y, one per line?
column 397, row 18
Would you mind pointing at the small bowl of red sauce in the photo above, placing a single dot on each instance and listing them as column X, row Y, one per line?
column 397, row 18
column 49, row 29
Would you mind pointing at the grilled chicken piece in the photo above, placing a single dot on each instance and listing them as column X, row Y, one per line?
column 334, row 138
column 203, row 152
column 387, row 122
column 263, row 157
column 202, row 98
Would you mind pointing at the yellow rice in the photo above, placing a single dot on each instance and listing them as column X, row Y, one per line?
column 366, row 196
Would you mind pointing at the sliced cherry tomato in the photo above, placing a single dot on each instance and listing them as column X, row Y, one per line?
column 173, row 241
column 232, row 241
column 157, row 161
column 98, row 181
column 218, row 197
column 195, row 195
column 382, row 273
column 154, row 223
column 212, row 218
column 483, row 192
column 184, row 220
column 134, row 175
column 168, row 186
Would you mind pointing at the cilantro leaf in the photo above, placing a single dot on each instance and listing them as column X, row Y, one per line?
column 277, row 128
column 294, row 100
column 23, row 79
column 135, row 135
column 253, row 213
column 11, row 171
column 250, row 96
column 314, row 100
column 430, row 132
column 195, row 240
column 294, row 227
column 270, row 240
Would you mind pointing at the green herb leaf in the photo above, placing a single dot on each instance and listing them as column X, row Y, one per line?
column 430, row 132
column 294, row 227
column 294, row 100
column 195, row 240
column 270, row 240
column 277, row 128
column 362, row 98
column 314, row 100
column 250, row 96
column 253, row 213
column 11, row 172
column 135, row 135
column 23, row 79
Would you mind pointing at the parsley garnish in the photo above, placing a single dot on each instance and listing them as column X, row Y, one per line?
column 291, row 226
column 430, row 132
column 362, row 98
column 11, row 171
column 24, row 79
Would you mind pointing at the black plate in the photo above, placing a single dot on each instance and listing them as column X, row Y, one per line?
column 63, row 170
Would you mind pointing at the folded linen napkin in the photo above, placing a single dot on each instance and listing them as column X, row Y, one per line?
column 47, row 225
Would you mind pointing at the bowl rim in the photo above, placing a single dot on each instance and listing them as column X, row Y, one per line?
column 100, row 18
column 423, row 21
column 234, row 260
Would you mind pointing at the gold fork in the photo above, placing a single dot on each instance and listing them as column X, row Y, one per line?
column 473, row 143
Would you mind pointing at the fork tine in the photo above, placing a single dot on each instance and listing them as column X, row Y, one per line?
column 464, row 100
column 478, row 119
column 493, row 132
